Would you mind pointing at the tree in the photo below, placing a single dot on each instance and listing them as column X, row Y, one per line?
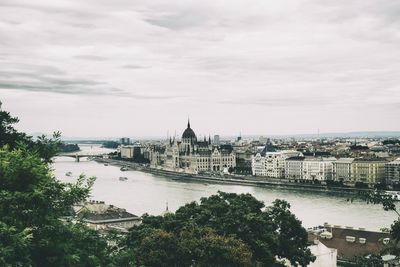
column 32, row 205
column 44, row 147
column 33, row 231
column 237, row 226
column 371, row 261
column 292, row 237
column 191, row 245
column 14, row 246
column 8, row 134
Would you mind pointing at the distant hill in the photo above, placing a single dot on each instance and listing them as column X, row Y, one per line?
column 369, row 134
column 359, row 134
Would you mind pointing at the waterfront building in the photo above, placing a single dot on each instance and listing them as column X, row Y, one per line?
column 368, row 170
column 318, row 168
column 309, row 168
column 152, row 153
column 392, row 172
column 342, row 169
column 132, row 151
column 294, row 168
column 126, row 152
column 258, row 165
column 271, row 164
column 194, row 156
column 244, row 151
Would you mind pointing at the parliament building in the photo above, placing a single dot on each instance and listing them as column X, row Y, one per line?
column 194, row 156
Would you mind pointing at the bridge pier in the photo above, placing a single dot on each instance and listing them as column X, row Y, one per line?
column 76, row 158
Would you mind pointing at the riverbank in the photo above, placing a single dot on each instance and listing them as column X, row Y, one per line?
column 234, row 180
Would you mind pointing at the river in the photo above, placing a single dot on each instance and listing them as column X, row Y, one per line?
column 147, row 193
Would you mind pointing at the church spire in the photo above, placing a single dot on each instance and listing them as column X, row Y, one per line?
column 188, row 125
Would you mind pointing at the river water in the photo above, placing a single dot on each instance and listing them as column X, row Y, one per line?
column 147, row 193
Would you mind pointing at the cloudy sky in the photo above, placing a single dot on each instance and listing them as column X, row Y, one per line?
column 140, row 68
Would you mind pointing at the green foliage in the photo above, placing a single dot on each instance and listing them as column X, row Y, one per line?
column 226, row 229
column 189, row 246
column 44, row 147
column 66, row 244
column 110, row 144
column 14, row 246
column 292, row 237
column 30, row 195
column 371, row 261
column 380, row 186
column 8, row 134
column 32, row 204
column 332, row 183
column 361, row 185
column 69, row 147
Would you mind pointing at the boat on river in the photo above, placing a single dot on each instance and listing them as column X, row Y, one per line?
column 123, row 178
column 68, row 174
column 124, row 169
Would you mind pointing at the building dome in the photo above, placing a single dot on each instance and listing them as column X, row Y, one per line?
column 189, row 133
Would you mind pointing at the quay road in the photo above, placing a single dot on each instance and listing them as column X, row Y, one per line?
column 233, row 179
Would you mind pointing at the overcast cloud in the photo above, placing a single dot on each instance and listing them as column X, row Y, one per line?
column 140, row 68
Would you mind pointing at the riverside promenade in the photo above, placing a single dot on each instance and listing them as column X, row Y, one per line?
column 233, row 179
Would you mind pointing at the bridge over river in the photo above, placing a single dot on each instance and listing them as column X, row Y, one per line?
column 87, row 151
column 77, row 156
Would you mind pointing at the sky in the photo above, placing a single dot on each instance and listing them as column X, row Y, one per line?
column 98, row 68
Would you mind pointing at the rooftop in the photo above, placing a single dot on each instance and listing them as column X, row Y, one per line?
column 351, row 243
column 99, row 212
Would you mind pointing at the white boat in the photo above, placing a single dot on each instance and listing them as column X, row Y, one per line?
column 68, row 174
column 123, row 178
column 124, row 169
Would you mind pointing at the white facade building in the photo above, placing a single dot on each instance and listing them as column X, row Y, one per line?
column 126, row 152
column 342, row 169
column 392, row 171
column 272, row 164
column 294, row 168
column 318, row 168
column 309, row 168
column 258, row 165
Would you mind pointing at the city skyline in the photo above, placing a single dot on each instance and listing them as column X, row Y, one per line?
column 140, row 68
